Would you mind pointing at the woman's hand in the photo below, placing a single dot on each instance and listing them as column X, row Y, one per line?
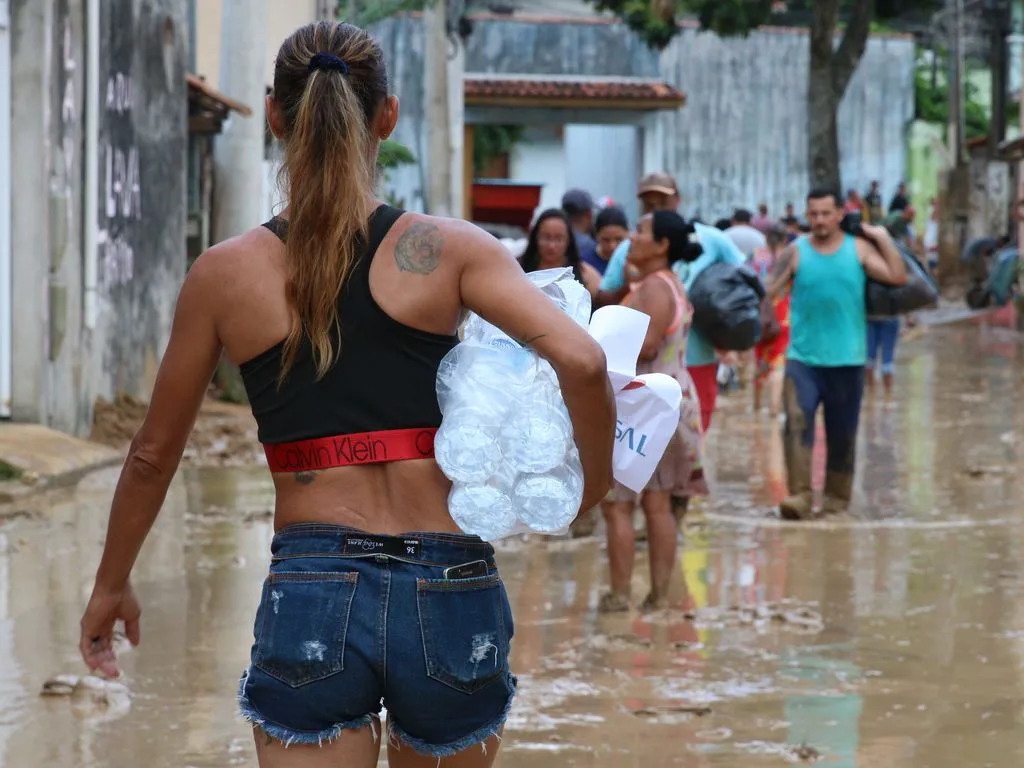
column 104, row 610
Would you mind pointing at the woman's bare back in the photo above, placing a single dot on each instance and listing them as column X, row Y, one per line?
column 414, row 284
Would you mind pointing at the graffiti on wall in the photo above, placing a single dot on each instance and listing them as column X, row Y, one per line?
column 121, row 204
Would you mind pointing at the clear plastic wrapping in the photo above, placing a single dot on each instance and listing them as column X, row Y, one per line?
column 506, row 441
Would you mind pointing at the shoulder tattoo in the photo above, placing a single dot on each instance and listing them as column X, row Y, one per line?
column 419, row 249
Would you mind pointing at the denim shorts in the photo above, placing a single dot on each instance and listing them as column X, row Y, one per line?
column 349, row 621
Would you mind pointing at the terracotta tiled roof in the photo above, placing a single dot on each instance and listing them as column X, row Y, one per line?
column 618, row 92
column 202, row 92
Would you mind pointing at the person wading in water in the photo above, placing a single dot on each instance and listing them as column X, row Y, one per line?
column 339, row 312
column 826, row 272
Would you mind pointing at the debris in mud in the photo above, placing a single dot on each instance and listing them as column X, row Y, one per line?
column 788, row 613
column 116, row 423
column 687, row 645
column 807, row 753
column 976, row 472
column 257, row 515
column 214, row 515
column 803, row 753
column 90, row 695
column 224, row 435
column 700, row 710
column 10, row 515
column 715, row 734
column 619, row 642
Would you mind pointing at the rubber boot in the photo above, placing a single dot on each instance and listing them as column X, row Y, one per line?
column 799, row 505
column 838, row 492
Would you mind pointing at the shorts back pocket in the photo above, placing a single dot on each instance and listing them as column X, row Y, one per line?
column 462, row 621
column 305, row 620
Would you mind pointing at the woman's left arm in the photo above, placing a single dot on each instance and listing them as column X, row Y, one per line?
column 181, row 384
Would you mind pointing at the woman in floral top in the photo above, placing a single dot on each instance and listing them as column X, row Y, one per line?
column 660, row 241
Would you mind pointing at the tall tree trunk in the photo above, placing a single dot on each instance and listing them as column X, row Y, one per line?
column 823, row 132
column 831, row 72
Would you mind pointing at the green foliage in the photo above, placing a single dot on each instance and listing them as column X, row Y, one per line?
column 655, row 21
column 363, row 13
column 932, row 101
column 731, row 18
column 884, row 9
column 9, row 471
column 652, row 20
column 394, row 154
column 491, row 142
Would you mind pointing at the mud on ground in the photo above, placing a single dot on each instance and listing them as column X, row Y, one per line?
column 224, row 434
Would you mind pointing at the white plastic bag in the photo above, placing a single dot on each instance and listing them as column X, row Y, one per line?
column 647, row 416
column 647, row 406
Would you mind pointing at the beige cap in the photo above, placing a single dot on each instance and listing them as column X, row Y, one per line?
column 662, row 183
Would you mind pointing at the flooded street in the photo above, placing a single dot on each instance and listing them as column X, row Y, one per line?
column 895, row 638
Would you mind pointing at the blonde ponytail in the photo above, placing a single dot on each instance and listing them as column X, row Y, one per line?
column 329, row 82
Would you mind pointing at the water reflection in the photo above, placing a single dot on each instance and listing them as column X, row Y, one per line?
column 917, row 661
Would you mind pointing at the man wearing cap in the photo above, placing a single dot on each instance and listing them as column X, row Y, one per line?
column 579, row 207
column 658, row 191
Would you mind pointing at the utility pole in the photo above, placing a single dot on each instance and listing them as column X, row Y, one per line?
column 239, row 150
column 956, row 82
column 456, row 69
column 1000, row 20
column 438, row 112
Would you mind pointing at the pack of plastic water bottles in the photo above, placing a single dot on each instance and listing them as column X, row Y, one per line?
column 506, row 441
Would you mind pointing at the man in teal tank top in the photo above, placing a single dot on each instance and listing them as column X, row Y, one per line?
column 826, row 273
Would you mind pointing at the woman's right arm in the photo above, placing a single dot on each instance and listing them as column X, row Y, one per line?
column 181, row 383
column 654, row 299
column 493, row 286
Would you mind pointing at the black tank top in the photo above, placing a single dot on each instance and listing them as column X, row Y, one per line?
column 383, row 379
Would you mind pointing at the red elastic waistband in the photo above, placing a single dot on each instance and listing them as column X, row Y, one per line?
column 349, row 450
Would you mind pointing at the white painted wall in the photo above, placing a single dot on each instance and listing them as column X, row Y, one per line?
column 540, row 159
column 5, row 209
column 603, row 159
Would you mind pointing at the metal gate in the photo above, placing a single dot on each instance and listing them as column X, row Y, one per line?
column 5, row 208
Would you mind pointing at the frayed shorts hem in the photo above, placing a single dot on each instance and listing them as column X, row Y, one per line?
column 479, row 736
column 290, row 736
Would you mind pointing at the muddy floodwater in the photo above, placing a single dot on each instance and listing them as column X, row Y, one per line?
column 894, row 638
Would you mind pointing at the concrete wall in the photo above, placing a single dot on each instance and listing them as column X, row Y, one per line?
column 612, row 171
column 62, row 365
column 283, row 18
column 540, row 159
column 741, row 139
column 31, row 65
column 402, row 41
column 557, row 47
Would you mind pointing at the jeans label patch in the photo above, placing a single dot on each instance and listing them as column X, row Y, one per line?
column 382, row 545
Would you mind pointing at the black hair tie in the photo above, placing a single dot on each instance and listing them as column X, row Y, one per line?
column 328, row 61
